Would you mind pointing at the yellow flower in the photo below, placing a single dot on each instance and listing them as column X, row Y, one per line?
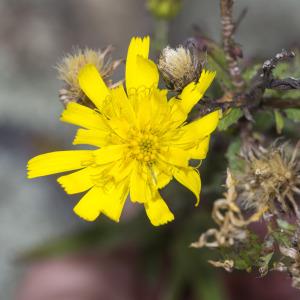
column 142, row 138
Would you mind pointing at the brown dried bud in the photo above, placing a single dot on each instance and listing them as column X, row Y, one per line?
column 180, row 66
column 70, row 65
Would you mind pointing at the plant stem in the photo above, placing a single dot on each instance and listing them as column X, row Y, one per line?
column 231, row 49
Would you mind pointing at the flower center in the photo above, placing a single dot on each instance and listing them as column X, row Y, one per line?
column 143, row 146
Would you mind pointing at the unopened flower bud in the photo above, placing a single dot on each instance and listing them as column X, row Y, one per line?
column 180, row 66
column 164, row 9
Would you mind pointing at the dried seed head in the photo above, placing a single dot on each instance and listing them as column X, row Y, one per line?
column 180, row 66
column 271, row 179
column 70, row 65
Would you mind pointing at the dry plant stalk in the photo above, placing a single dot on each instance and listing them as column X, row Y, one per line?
column 232, row 224
column 267, row 190
column 231, row 49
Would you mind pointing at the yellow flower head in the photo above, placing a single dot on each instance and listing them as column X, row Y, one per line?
column 142, row 141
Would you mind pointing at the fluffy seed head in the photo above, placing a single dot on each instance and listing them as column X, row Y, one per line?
column 271, row 180
column 180, row 66
column 70, row 65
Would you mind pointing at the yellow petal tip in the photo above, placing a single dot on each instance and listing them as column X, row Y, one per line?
column 163, row 221
column 87, row 215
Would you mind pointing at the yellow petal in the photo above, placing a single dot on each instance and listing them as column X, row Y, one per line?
column 93, row 86
column 158, row 211
column 175, row 156
column 98, row 200
column 198, row 129
column 137, row 46
column 140, row 72
column 82, row 116
column 153, row 109
column 146, row 74
column 140, row 185
column 98, row 138
column 88, row 208
column 121, row 105
column 77, row 182
column 120, row 127
column 199, row 151
column 114, row 200
column 57, row 162
column 121, row 170
column 190, row 179
column 162, row 174
column 191, row 94
column 109, row 154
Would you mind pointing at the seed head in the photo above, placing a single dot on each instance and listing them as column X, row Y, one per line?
column 180, row 66
column 271, row 180
column 70, row 65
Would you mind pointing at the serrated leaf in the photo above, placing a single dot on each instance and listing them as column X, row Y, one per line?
column 279, row 121
column 230, row 118
column 293, row 114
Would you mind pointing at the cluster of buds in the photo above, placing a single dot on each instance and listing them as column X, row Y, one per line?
column 70, row 65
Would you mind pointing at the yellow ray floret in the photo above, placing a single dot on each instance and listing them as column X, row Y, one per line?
column 142, row 141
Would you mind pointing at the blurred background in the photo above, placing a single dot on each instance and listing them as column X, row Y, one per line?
column 46, row 252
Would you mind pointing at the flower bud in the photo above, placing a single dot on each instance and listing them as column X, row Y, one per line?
column 180, row 66
column 164, row 9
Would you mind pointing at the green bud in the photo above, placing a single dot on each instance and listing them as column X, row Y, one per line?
column 164, row 9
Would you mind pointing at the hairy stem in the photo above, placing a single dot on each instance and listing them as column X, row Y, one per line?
column 231, row 49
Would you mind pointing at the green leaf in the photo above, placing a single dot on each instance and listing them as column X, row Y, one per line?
column 263, row 121
column 216, row 60
column 293, row 114
column 232, row 154
column 279, row 121
column 245, row 255
column 250, row 72
column 223, row 75
column 264, row 262
column 282, row 238
column 284, row 225
column 230, row 118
